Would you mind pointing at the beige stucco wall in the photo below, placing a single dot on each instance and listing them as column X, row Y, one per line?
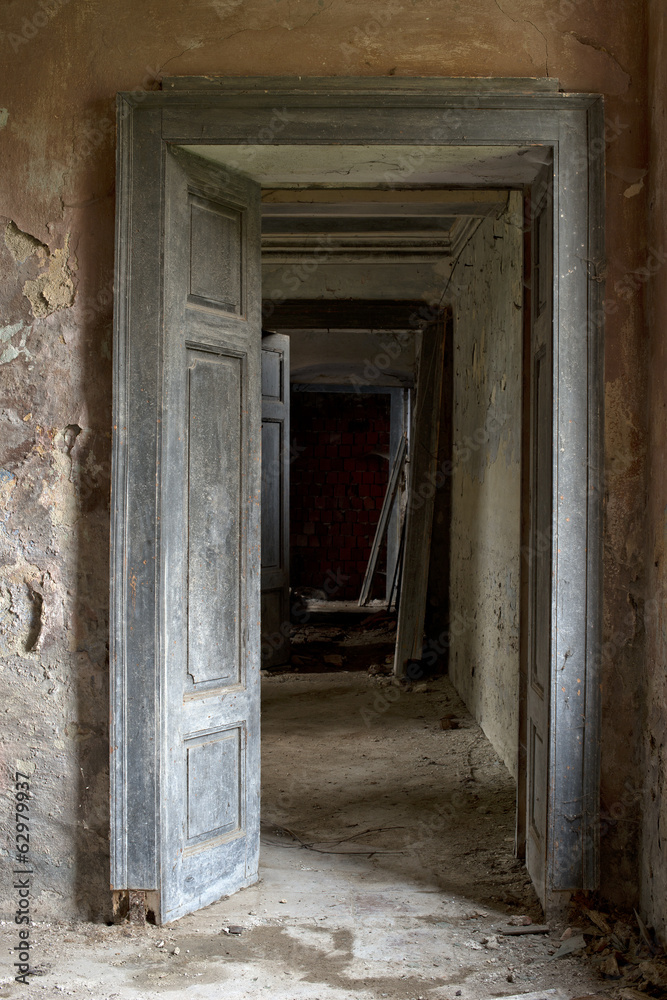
column 486, row 478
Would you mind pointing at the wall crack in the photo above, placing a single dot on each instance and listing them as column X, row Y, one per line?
column 592, row 44
column 517, row 20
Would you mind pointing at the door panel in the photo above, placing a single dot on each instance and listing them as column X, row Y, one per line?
column 214, row 435
column 275, row 499
column 539, row 556
column 209, row 803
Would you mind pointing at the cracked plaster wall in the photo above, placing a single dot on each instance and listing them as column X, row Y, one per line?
column 57, row 135
column 486, row 479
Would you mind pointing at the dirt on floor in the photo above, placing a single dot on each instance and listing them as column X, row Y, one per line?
column 348, row 638
column 387, row 870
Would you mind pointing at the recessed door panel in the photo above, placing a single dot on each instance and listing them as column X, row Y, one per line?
column 216, row 256
column 215, row 515
column 215, row 786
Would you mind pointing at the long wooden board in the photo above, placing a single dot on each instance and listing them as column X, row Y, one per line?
column 422, row 466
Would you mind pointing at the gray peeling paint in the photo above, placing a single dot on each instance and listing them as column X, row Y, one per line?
column 486, row 294
column 12, row 351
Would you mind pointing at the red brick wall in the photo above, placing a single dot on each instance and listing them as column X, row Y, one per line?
column 337, row 488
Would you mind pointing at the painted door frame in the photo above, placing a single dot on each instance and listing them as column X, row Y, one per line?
column 320, row 111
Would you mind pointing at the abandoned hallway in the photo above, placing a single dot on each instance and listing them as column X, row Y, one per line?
column 136, row 140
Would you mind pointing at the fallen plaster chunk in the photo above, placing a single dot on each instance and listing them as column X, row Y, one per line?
column 568, row 947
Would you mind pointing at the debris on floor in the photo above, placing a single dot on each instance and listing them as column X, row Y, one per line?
column 622, row 949
column 348, row 638
column 386, row 871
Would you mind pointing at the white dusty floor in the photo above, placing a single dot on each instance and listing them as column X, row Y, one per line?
column 348, row 766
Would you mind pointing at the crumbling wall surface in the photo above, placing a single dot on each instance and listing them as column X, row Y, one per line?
column 54, row 523
column 487, row 298
column 654, row 732
column 63, row 62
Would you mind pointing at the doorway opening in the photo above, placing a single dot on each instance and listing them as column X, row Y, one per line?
column 186, row 583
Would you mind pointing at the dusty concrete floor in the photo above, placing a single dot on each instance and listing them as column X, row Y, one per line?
column 348, row 766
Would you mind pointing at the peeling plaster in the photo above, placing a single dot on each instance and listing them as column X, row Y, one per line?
column 21, row 601
column 223, row 8
column 634, row 189
column 22, row 245
column 597, row 47
column 54, row 288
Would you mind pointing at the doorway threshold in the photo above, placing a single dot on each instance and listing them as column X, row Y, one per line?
column 315, row 606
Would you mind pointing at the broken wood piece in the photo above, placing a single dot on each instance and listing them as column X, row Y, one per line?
column 395, row 589
column 387, row 505
column 645, row 934
column 576, row 943
column 527, row 929
column 539, row 995
column 598, row 920
column 303, row 661
column 609, row 968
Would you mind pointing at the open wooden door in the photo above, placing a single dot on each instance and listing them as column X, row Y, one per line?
column 186, row 708
column 275, row 499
